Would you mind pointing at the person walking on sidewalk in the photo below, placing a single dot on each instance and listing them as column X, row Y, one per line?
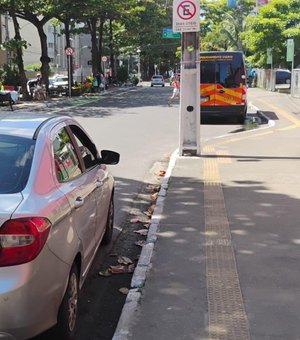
column 175, row 83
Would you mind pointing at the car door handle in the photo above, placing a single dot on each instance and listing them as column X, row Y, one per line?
column 99, row 183
column 79, row 202
column 220, row 91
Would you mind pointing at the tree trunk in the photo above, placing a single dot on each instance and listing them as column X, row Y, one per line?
column 19, row 57
column 100, row 45
column 44, row 57
column 111, row 48
column 92, row 25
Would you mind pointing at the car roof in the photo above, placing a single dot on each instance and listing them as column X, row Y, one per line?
column 25, row 124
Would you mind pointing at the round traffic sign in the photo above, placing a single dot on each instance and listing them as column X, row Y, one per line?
column 69, row 50
column 186, row 10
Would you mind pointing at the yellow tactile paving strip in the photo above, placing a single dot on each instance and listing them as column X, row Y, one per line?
column 227, row 316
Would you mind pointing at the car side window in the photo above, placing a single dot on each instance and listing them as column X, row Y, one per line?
column 86, row 147
column 66, row 162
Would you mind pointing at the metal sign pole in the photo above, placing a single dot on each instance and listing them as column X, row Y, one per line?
column 186, row 20
column 69, row 75
column 189, row 133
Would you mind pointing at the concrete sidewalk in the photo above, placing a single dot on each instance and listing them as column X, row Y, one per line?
column 172, row 261
column 212, row 270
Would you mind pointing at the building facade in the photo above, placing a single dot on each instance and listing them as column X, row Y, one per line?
column 56, row 47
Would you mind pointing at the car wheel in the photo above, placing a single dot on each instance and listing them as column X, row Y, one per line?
column 67, row 316
column 151, row 85
column 163, row 85
column 110, row 222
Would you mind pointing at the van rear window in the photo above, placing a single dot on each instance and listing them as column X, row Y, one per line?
column 224, row 70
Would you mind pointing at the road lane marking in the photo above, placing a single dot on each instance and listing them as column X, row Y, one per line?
column 227, row 316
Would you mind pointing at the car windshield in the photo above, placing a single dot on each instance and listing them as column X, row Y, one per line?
column 157, row 77
column 15, row 162
column 61, row 79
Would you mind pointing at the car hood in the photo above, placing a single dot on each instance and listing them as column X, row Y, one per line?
column 8, row 204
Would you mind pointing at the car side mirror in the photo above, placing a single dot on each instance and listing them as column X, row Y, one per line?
column 109, row 157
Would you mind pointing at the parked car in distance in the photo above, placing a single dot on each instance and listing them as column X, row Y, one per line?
column 56, row 207
column 283, row 78
column 58, row 84
column 157, row 80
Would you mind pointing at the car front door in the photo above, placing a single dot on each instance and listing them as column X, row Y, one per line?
column 98, row 175
column 78, row 186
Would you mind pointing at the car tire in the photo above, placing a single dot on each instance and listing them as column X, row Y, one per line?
column 163, row 85
column 68, row 311
column 151, row 85
column 109, row 223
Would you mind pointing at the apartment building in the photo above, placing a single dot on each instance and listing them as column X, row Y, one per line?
column 56, row 47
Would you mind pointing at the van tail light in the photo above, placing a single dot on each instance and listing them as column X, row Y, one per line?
column 244, row 93
column 22, row 239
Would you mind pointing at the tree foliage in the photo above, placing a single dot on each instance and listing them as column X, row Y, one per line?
column 274, row 24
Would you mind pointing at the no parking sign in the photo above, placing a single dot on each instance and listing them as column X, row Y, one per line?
column 186, row 15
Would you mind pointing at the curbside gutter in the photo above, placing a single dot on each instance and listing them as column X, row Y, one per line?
column 131, row 306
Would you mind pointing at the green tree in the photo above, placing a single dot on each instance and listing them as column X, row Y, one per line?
column 274, row 24
column 222, row 27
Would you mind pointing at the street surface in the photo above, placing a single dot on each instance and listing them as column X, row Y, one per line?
column 138, row 123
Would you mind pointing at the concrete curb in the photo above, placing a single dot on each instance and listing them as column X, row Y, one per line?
column 271, row 122
column 133, row 298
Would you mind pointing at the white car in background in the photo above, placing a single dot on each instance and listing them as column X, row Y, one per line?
column 157, row 80
column 58, row 84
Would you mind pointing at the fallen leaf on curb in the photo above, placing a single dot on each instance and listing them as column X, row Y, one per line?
column 134, row 220
column 140, row 243
column 147, row 225
column 120, row 269
column 152, row 188
column 161, row 173
column 124, row 260
column 141, row 231
column 147, row 213
column 154, row 196
column 105, row 273
column 124, row 290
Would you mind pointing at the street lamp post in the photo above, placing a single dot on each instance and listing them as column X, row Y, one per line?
column 139, row 64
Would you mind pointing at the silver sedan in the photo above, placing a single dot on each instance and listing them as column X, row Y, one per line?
column 56, row 207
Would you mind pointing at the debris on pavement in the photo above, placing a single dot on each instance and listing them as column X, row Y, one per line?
column 124, row 290
column 143, row 232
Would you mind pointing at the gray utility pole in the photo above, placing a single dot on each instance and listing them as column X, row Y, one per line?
column 190, row 95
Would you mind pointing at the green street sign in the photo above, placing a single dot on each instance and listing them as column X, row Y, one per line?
column 269, row 56
column 168, row 33
column 290, row 50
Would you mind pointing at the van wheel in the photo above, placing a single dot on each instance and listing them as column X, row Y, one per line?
column 241, row 120
column 110, row 222
column 68, row 312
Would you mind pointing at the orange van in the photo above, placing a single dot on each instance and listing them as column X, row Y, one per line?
column 223, row 89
